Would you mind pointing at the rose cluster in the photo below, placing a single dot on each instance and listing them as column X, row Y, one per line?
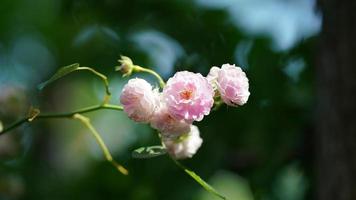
column 186, row 97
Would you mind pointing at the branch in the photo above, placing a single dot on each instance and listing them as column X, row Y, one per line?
column 103, row 78
column 199, row 180
column 99, row 140
column 75, row 67
column 127, row 67
column 159, row 78
column 61, row 115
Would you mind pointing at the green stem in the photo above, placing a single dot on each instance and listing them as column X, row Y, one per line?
column 198, row 179
column 159, row 78
column 61, row 115
column 100, row 141
column 105, row 81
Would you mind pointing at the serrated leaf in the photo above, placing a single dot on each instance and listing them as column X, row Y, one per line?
column 198, row 179
column 59, row 74
column 149, row 152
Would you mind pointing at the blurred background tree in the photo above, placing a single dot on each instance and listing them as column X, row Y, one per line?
column 263, row 150
column 336, row 127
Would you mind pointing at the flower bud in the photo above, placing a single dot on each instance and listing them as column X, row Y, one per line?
column 213, row 76
column 126, row 66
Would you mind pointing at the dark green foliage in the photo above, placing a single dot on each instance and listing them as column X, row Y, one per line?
column 257, row 141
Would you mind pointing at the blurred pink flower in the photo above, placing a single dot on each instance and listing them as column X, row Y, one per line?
column 168, row 126
column 186, row 146
column 188, row 96
column 232, row 84
column 139, row 100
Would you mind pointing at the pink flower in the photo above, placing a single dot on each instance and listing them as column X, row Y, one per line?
column 185, row 146
column 213, row 75
column 139, row 100
column 232, row 84
column 168, row 126
column 188, row 96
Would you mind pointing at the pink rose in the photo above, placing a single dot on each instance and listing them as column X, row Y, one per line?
column 213, row 76
column 168, row 126
column 139, row 100
column 188, row 96
column 186, row 146
column 232, row 84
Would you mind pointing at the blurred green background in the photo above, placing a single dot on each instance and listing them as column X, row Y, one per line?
column 260, row 151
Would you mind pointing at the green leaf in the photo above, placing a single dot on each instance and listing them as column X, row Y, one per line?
column 149, row 152
column 59, row 74
column 1, row 126
column 198, row 179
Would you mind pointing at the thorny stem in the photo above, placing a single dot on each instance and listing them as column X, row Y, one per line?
column 99, row 140
column 159, row 78
column 61, row 115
